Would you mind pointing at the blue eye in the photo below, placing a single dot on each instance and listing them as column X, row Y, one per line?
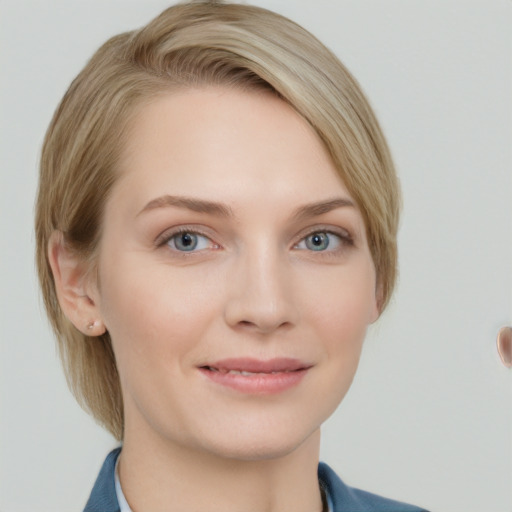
column 317, row 241
column 320, row 241
column 187, row 241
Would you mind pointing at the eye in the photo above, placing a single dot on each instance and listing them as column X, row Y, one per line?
column 320, row 241
column 188, row 241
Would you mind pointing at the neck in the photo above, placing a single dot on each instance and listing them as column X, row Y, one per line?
column 158, row 477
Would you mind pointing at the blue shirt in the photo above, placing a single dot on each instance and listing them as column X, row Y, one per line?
column 340, row 497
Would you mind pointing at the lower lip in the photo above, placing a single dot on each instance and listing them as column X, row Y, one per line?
column 258, row 384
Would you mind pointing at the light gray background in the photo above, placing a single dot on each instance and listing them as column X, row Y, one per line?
column 429, row 417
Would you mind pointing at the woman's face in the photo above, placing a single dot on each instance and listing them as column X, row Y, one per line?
column 235, row 277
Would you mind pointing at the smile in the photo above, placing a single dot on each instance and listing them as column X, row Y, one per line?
column 245, row 373
column 254, row 376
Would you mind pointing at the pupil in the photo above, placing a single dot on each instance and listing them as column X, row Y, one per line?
column 186, row 240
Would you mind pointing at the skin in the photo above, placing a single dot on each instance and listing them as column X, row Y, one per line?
column 255, row 286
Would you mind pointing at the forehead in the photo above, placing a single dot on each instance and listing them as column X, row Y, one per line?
column 223, row 143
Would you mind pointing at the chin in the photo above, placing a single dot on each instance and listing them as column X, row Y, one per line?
column 261, row 446
column 258, row 451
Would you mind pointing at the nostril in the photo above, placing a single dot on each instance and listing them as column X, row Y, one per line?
column 259, row 308
column 262, row 325
column 250, row 326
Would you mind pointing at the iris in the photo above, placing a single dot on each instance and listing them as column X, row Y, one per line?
column 185, row 241
column 317, row 241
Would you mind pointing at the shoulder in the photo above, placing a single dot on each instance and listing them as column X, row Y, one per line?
column 103, row 496
column 349, row 499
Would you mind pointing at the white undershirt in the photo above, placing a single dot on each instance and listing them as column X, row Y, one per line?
column 123, row 504
column 124, row 507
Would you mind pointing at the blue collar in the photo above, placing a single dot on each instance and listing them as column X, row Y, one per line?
column 103, row 497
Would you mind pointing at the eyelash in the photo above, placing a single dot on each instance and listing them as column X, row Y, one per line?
column 345, row 240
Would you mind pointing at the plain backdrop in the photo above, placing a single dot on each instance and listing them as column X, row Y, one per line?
column 429, row 417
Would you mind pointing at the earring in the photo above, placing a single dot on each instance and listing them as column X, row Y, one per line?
column 93, row 325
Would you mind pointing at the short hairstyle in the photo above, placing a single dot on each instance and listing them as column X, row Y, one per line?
column 195, row 44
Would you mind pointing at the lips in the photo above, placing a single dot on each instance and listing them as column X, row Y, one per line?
column 248, row 375
column 257, row 366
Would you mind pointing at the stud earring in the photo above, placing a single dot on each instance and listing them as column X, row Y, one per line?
column 92, row 325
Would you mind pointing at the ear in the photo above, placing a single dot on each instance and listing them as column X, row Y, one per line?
column 374, row 311
column 76, row 291
column 376, row 307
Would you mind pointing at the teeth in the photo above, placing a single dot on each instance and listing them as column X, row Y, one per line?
column 243, row 372
column 249, row 374
column 240, row 372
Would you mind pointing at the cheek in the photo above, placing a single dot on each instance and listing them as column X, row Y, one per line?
column 153, row 314
column 340, row 312
column 345, row 301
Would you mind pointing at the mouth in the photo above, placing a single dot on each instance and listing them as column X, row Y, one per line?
column 245, row 373
column 255, row 376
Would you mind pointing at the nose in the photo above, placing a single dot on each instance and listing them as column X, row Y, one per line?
column 260, row 295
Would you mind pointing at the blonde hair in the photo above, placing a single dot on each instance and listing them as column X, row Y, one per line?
column 195, row 44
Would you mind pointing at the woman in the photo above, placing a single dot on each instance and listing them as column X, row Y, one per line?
column 216, row 228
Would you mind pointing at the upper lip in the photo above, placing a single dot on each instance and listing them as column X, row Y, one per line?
column 281, row 364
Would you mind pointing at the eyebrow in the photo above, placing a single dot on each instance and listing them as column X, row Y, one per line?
column 189, row 203
column 221, row 210
column 316, row 209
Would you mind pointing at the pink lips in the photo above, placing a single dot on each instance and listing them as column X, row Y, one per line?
column 256, row 376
